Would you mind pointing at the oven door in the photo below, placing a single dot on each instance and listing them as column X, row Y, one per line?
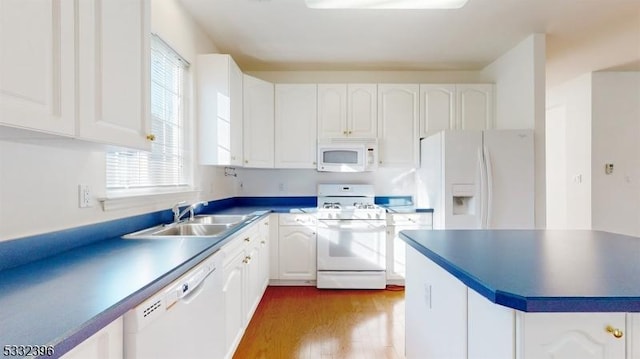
column 351, row 245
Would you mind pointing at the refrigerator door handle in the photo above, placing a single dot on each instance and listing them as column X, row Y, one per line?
column 483, row 194
column 489, row 175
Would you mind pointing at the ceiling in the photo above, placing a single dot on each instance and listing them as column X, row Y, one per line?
column 272, row 35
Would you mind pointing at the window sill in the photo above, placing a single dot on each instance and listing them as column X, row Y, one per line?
column 116, row 201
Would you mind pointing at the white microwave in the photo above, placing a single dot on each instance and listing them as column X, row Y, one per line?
column 348, row 155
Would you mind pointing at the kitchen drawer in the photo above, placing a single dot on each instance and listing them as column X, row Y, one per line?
column 239, row 242
column 297, row 219
column 409, row 219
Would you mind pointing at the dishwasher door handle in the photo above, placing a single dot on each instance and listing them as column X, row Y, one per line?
column 189, row 289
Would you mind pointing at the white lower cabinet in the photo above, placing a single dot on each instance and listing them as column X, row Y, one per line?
column 396, row 253
column 105, row 344
column 445, row 319
column 245, row 279
column 570, row 335
column 297, row 249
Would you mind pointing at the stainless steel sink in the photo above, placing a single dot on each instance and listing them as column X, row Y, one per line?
column 201, row 226
column 221, row 218
column 188, row 229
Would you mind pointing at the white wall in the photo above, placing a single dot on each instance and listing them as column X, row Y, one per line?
column 571, row 106
column 616, row 139
column 39, row 183
column 303, row 182
column 602, row 120
column 519, row 75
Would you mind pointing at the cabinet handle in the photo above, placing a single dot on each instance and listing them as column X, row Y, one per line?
column 348, row 132
column 151, row 137
column 247, row 239
column 262, row 242
column 614, row 331
column 246, row 161
column 344, row 132
column 246, row 259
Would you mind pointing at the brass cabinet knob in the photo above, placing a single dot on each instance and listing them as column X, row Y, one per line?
column 246, row 161
column 614, row 331
column 344, row 132
column 348, row 132
column 247, row 239
column 151, row 137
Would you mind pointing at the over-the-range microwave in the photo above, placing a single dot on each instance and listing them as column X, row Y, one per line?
column 347, row 155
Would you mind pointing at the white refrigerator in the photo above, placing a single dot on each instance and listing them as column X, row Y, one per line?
column 478, row 179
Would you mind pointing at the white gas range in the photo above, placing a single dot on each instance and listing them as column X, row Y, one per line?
column 351, row 238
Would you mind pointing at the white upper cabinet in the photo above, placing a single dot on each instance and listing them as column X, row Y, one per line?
column 332, row 110
column 113, row 52
column 219, row 110
column 295, row 125
column 347, row 110
column 398, row 110
column 437, row 108
column 258, row 123
column 37, row 65
column 362, row 111
column 78, row 69
column 474, row 106
column 455, row 107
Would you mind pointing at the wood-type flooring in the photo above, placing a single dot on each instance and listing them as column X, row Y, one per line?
column 306, row 322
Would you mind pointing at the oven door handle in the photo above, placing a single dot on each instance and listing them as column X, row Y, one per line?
column 340, row 224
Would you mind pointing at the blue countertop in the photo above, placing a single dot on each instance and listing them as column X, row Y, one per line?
column 62, row 297
column 60, row 288
column 540, row 270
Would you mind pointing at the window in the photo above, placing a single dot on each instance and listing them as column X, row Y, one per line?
column 167, row 166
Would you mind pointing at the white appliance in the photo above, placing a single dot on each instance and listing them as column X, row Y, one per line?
column 351, row 238
column 347, row 155
column 478, row 179
column 183, row 320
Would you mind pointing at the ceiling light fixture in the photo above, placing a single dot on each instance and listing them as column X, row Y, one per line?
column 385, row 4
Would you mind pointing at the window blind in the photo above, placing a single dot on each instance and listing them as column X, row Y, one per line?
column 165, row 165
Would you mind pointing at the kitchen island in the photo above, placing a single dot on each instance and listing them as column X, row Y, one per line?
column 522, row 294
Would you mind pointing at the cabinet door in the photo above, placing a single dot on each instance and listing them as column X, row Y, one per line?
column 398, row 125
column 295, row 126
column 235, row 89
column 37, row 72
column 234, row 301
column 257, row 266
column 436, row 310
column 258, row 122
column 332, row 111
column 297, row 246
column 362, row 114
column 633, row 335
column 113, row 72
column 253, row 267
column 474, row 106
column 570, row 335
column 105, row 344
column 437, row 108
column 396, row 251
column 219, row 110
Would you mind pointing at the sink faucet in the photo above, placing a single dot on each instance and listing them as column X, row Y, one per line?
column 177, row 215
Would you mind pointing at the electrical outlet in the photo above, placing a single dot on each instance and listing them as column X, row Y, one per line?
column 84, row 196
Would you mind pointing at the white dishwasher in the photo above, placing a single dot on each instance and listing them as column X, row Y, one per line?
column 183, row 320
